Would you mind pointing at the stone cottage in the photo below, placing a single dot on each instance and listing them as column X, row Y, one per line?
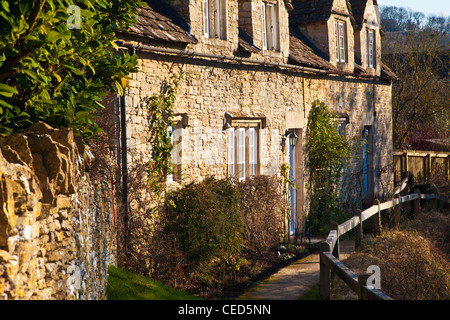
column 253, row 69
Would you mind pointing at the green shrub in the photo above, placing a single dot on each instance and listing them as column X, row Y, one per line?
column 203, row 218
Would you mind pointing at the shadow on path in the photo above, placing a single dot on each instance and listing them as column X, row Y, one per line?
column 293, row 281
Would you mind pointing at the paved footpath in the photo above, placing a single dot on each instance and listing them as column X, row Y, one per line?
column 293, row 281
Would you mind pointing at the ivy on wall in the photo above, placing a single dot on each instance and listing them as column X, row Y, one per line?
column 327, row 152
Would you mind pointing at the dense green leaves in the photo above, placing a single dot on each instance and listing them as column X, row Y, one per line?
column 326, row 155
column 56, row 74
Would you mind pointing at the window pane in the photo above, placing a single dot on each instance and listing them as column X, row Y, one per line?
column 231, row 153
column 371, row 60
column 217, row 17
column 170, row 134
column 241, row 153
column 252, row 151
column 206, row 18
column 342, row 41
column 336, row 39
column 264, row 25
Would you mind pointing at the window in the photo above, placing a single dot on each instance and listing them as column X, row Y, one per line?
column 340, row 38
column 214, row 19
column 206, row 18
column 174, row 133
column 242, row 152
column 370, row 37
column 269, row 17
column 170, row 134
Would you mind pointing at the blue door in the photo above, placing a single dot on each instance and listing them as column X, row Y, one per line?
column 366, row 162
column 292, row 191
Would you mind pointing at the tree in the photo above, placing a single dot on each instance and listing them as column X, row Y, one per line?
column 418, row 52
column 57, row 61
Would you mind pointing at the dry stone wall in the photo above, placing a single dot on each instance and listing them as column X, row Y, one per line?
column 56, row 224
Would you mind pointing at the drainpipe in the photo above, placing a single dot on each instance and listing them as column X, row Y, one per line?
column 124, row 166
column 193, row 53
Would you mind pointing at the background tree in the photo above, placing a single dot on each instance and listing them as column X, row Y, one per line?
column 56, row 74
column 416, row 47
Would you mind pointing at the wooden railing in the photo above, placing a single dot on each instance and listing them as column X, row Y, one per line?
column 329, row 249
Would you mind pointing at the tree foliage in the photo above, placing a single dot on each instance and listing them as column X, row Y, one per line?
column 417, row 50
column 56, row 74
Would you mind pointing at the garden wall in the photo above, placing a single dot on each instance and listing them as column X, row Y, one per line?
column 56, row 225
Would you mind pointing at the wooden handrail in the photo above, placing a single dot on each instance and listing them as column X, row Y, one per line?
column 329, row 263
column 402, row 185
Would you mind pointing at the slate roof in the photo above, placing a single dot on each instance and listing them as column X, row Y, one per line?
column 245, row 42
column 156, row 22
column 302, row 54
column 307, row 11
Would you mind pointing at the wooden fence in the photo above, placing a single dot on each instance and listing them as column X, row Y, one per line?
column 329, row 249
column 424, row 165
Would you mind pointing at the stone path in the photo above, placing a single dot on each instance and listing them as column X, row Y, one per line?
column 293, row 281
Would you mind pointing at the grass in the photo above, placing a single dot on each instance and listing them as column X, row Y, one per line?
column 124, row 285
column 313, row 293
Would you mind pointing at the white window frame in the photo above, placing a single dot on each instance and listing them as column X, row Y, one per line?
column 217, row 18
column 252, row 146
column 264, row 25
column 242, row 154
column 231, row 152
column 170, row 176
column 214, row 21
column 340, row 38
column 206, row 20
column 370, row 38
column 270, row 26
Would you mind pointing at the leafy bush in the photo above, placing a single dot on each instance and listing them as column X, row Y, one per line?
column 203, row 218
column 212, row 221
column 263, row 207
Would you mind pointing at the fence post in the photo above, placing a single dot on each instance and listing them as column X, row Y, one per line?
column 377, row 218
column 362, row 282
column 336, row 250
column 417, row 203
column 325, row 273
column 397, row 210
column 435, row 201
column 358, row 230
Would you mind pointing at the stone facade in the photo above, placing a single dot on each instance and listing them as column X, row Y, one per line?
column 235, row 83
column 57, row 233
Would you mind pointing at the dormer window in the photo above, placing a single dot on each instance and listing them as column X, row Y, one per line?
column 270, row 26
column 340, row 38
column 214, row 19
column 370, row 37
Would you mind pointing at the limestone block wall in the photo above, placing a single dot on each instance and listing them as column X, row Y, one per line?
column 212, row 88
column 56, row 224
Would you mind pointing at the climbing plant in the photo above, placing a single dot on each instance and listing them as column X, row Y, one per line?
column 326, row 155
column 160, row 108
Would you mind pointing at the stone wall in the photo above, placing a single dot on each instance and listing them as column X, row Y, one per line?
column 56, row 225
column 211, row 89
